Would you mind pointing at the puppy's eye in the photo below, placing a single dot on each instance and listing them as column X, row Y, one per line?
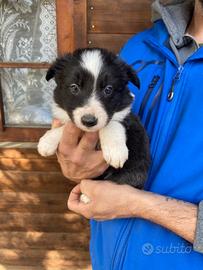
column 108, row 90
column 74, row 88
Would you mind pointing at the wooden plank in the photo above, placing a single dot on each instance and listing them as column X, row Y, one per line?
column 42, row 257
column 116, row 17
column 24, row 65
column 2, row 117
column 35, row 182
column 14, row 267
column 42, row 222
column 27, row 160
column 29, row 164
column 43, row 240
column 80, row 23
column 71, row 25
column 61, row 267
column 65, row 26
column 30, row 153
column 29, row 202
column 15, row 134
column 113, row 42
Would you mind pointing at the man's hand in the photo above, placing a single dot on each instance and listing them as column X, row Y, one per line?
column 109, row 200
column 77, row 155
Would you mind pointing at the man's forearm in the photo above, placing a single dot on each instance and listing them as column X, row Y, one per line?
column 109, row 201
column 178, row 216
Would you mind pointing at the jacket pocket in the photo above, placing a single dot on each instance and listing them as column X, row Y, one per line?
column 148, row 93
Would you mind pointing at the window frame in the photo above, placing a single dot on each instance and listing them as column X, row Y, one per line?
column 71, row 31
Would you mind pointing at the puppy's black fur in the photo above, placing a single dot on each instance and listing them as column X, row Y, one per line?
column 68, row 70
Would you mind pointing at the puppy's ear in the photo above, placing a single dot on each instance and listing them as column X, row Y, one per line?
column 132, row 76
column 58, row 66
column 51, row 72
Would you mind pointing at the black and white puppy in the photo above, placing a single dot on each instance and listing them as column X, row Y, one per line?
column 92, row 92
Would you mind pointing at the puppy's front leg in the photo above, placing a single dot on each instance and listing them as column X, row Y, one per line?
column 48, row 143
column 113, row 144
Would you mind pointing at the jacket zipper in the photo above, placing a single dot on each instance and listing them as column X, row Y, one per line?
column 175, row 79
column 170, row 95
column 151, row 42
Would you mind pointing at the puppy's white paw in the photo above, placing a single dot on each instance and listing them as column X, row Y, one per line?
column 84, row 198
column 47, row 145
column 113, row 144
column 115, row 155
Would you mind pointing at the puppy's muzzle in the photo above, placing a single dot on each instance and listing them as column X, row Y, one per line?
column 89, row 120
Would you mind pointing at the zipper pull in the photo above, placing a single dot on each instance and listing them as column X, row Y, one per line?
column 171, row 92
column 175, row 79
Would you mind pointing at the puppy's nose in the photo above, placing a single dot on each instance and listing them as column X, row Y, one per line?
column 89, row 120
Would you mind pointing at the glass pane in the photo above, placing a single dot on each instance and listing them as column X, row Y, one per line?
column 27, row 34
column 27, row 97
column 28, row 30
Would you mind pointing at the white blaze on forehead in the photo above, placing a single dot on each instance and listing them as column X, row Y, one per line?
column 93, row 107
column 92, row 61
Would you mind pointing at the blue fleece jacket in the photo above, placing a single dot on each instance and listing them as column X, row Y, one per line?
column 170, row 105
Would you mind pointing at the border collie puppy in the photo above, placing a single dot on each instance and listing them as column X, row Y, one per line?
column 92, row 92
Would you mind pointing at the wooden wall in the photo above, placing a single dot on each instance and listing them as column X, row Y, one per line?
column 37, row 232
column 102, row 23
column 111, row 23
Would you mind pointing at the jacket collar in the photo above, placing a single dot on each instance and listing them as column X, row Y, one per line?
column 176, row 15
column 158, row 38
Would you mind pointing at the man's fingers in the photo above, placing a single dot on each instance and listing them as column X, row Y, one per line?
column 70, row 138
column 89, row 141
column 75, row 193
column 74, row 203
column 74, row 199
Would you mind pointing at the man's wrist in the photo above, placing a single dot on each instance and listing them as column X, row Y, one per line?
column 128, row 202
column 142, row 204
column 138, row 203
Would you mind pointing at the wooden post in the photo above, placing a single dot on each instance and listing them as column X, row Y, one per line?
column 80, row 23
column 2, row 119
column 65, row 26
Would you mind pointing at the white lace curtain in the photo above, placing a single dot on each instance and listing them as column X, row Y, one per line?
column 27, row 34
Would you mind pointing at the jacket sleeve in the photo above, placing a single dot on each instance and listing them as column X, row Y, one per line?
column 198, row 242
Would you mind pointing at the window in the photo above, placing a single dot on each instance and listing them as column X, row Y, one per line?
column 32, row 33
